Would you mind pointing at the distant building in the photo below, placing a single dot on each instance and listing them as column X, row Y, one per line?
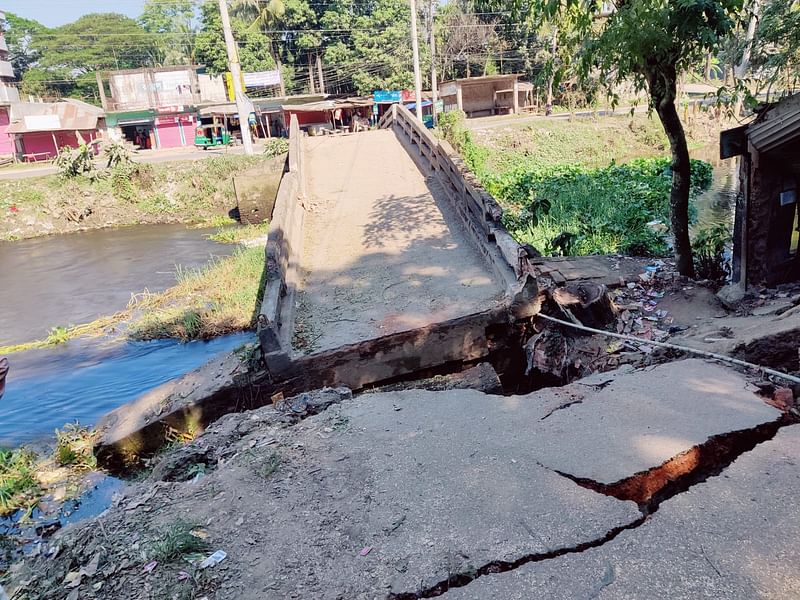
column 157, row 108
column 487, row 95
column 40, row 129
column 8, row 92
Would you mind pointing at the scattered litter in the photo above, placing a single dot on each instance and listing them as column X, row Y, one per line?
column 214, row 559
column 365, row 550
column 183, row 576
column 194, row 557
column 149, row 567
column 200, row 533
column 97, row 586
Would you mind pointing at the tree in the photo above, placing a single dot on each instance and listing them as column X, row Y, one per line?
column 19, row 34
column 463, row 37
column 60, row 61
column 368, row 42
column 776, row 47
column 95, row 42
column 173, row 25
column 651, row 42
column 254, row 46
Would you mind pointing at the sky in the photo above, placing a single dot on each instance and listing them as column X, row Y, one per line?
column 58, row 12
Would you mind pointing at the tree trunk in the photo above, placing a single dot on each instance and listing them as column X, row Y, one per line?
column 663, row 83
column 548, row 107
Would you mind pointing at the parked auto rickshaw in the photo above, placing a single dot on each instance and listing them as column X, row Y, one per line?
column 208, row 136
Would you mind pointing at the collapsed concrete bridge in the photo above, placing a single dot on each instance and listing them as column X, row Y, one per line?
column 382, row 246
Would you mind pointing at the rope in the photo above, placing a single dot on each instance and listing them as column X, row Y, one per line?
column 714, row 355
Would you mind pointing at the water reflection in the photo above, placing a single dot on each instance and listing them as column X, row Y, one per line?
column 78, row 277
column 83, row 380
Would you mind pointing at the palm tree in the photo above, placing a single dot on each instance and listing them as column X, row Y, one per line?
column 267, row 16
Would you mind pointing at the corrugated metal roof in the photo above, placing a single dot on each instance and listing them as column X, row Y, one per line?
column 74, row 115
column 777, row 126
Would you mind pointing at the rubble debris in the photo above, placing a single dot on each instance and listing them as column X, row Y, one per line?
column 481, row 377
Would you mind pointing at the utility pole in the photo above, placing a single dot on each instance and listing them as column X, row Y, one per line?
column 415, row 50
column 320, row 79
column 434, row 81
column 311, row 88
column 236, row 73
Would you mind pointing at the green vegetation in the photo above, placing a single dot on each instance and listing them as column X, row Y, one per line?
column 75, row 447
column 18, row 485
column 276, row 146
column 709, row 251
column 601, row 211
column 557, row 196
column 239, row 234
column 217, row 299
column 181, row 538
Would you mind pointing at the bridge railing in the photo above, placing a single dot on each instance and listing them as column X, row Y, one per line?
column 480, row 213
column 284, row 251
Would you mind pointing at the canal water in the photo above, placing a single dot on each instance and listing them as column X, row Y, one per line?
column 716, row 205
column 75, row 278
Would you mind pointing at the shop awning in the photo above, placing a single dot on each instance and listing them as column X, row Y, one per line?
column 220, row 109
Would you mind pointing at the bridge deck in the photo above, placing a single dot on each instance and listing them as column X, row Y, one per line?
column 383, row 251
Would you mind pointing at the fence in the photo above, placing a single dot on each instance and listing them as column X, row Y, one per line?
column 479, row 212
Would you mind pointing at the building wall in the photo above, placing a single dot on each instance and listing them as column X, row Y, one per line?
column 769, row 225
column 42, row 142
column 478, row 98
column 175, row 131
column 6, row 141
column 308, row 117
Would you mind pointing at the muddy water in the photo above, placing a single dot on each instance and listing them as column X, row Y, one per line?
column 82, row 380
column 716, row 205
column 75, row 278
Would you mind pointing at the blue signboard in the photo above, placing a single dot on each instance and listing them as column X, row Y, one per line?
column 387, row 96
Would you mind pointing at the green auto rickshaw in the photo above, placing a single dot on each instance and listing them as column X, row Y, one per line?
column 208, row 136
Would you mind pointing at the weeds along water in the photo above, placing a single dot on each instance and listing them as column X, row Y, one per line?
column 563, row 191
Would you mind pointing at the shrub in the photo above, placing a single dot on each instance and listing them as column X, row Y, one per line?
column 276, row 146
column 709, row 246
column 72, row 162
column 116, row 154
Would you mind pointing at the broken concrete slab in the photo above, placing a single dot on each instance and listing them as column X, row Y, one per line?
column 734, row 536
column 437, row 485
column 635, row 423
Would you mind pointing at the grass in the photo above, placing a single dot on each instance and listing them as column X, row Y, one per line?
column 564, row 191
column 18, row 484
column 75, row 447
column 25, row 477
column 177, row 542
column 217, row 299
column 127, row 194
column 583, row 141
column 62, row 334
column 238, row 235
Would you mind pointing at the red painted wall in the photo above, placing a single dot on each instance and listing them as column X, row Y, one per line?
column 42, row 141
column 308, row 118
column 6, row 141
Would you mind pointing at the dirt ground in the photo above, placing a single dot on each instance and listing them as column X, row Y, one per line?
column 374, row 263
column 394, row 495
